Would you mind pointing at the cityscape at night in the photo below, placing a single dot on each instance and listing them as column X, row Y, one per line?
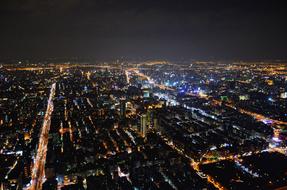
column 147, row 95
column 143, row 125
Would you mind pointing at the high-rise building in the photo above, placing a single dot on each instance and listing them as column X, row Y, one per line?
column 155, row 123
column 123, row 109
column 143, row 127
column 146, row 92
column 149, row 117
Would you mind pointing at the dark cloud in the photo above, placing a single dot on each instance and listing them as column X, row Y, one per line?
column 222, row 29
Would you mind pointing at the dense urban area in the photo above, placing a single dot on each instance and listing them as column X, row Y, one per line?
column 143, row 125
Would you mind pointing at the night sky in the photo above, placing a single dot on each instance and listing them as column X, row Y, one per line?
column 144, row 29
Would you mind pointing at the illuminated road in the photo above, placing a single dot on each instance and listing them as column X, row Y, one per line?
column 193, row 164
column 38, row 171
column 273, row 123
column 259, row 117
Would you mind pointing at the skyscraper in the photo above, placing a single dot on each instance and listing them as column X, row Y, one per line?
column 122, row 109
column 143, row 127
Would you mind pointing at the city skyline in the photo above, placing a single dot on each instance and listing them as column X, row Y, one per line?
column 143, row 125
column 143, row 95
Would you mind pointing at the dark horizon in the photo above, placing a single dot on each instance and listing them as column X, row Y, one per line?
column 170, row 30
column 90, row 60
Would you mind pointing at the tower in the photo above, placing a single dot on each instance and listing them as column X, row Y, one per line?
column 122, row 109
column 143, row 127
column 155, row 123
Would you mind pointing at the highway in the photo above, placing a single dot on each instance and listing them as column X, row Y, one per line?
column 38, row 171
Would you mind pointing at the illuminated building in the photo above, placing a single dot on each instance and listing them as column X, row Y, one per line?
column 224, row 98
column 123, row 109
column 146, row 93
column 244, row 97
column 270, row 82
column 26, row 136
column 283, row 95
column 276, row 134
column 143, row 127
column 155, row 123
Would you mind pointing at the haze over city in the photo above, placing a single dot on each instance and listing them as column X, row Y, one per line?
column 143, row 95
